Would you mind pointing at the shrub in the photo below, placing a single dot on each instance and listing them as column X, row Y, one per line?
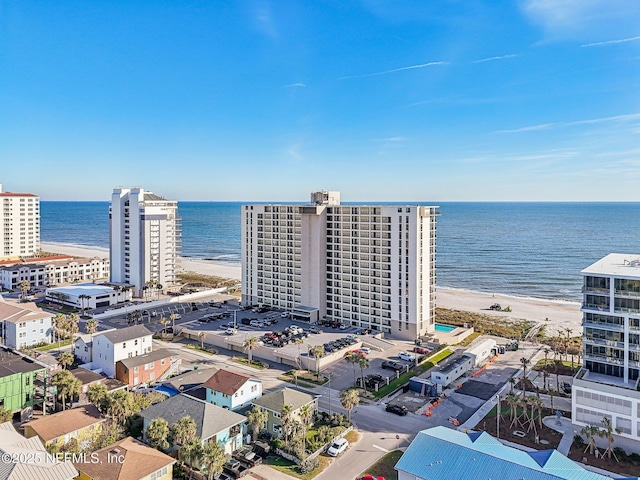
column 577, row 441
column 309, row 466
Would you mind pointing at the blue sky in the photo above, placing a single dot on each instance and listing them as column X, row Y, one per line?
column 267, row 100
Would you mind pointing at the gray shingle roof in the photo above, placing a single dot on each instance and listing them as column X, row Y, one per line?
column 146, row 358
column 274, row 401
column 125, row 334
column 209, row 418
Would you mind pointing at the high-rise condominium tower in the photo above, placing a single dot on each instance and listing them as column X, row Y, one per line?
column 144, row 239
column 608, row 385
column 20, row 226
column 372, row 266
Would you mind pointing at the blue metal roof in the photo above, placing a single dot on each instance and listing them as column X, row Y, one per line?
column 441, row 453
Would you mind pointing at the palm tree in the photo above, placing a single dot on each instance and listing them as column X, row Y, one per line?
column 306, row 413
column 183, row 430
column 546, row 351
column 65, row 359
column 298, row 341
column 25, row 286
column 363, row 362
column 286, row 417
column 512, row 382
column 164, row 321
column 257, row 418
column 202, row 336
column 119, row 405
column 512, row 401
column 349, row 400
column 96, row 394
column 545, row 376
column 91, row 327
column 590, row 432
column 82, row 299
column 157, row 433
column 67, row 385
column 317, row 352
column 191, row 451
column 213, row 459
column 607, row 432
column 249, row 345
column 525, row 363
column 58, row 326
column 173, row 318
column 72, row 325
column 352, row 358
column 5, row 415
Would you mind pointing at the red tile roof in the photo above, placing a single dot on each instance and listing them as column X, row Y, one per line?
column 10, row 194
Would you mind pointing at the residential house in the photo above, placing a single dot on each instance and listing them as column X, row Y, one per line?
column 83, row 348
column 25, row 324
column 60, row 428
column 213, row 424
column 146, row 368
column 20, row 382
column 127, row 459
column 186, row 381
column 441, row 452
column 34, row 462
column 232, row 390
column 87, row 378
column 114, row 345
column 274, row 402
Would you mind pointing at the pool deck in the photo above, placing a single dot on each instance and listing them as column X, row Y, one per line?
column 451, row 337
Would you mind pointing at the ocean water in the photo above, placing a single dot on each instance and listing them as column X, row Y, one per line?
column 523, row 249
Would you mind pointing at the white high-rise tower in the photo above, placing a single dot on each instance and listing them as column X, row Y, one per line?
column 144, row 238
column 371, row 266
column 20, row 225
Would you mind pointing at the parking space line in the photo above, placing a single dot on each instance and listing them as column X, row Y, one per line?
column 380, row 448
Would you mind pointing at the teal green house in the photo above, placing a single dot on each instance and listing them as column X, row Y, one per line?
column 20, row 379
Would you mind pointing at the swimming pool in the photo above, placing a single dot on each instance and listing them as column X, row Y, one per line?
column 444, row 328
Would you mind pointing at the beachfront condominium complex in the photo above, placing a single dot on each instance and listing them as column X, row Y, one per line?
column 608, row 385
column 20, row 227
column 371, row 266
column 144, row 239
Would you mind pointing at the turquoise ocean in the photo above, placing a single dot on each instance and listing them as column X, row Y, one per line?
column 523, row 249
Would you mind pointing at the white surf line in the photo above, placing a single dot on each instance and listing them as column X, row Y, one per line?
column 380, row 448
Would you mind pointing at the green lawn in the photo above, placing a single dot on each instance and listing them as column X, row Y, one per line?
column 257, row 364
column 384, row 466
column 290, row 468
column 198, row 348
column 53, row 346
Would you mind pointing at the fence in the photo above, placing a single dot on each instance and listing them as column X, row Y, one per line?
column 297, row 461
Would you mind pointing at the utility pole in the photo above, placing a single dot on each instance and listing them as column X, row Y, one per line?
column 498, row 418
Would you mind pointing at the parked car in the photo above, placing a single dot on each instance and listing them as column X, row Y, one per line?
column 365, row 350
column 315, row 330
column 338, row 447
column 421, row 350
column 246, row 321
column 204, row 320
column 397, row 409
column 371, row 477
column 262, row 449
column 391, row 365
column 256, row 323
column 284, row 314
column 343, row 326
column 407, row 357
column 372, row 380
column 231, row 331
column 566, row 387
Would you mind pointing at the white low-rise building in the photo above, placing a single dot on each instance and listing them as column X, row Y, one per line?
column 52, row 271
column 111, row 346
column 481, row 351
column 88, row 295
column 25, row 324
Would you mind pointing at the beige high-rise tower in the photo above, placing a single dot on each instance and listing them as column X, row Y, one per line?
column 370, row 266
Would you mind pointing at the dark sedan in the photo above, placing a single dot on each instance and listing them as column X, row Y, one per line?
column 397, row 409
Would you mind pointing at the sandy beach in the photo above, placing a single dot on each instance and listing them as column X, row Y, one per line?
column 554, row 313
